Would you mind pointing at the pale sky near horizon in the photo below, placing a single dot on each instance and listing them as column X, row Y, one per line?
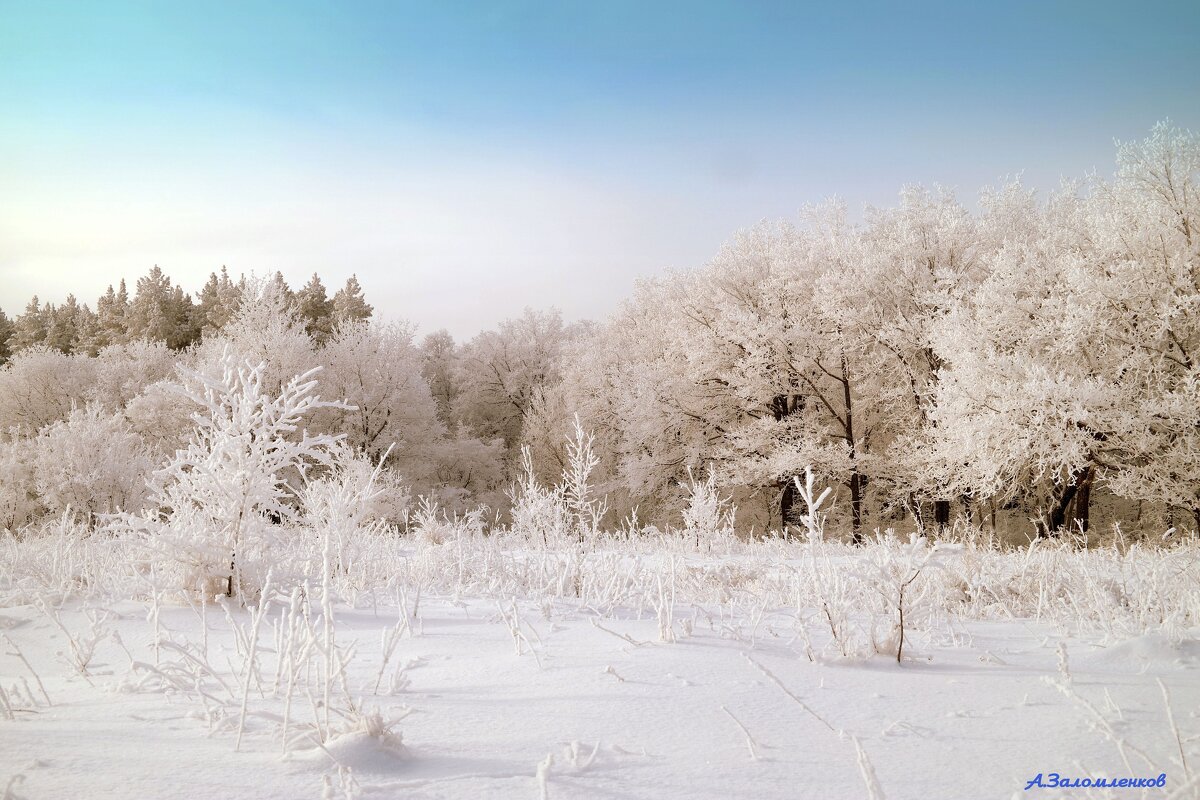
column 468, row 160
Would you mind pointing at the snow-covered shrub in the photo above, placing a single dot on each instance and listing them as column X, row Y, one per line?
column 538, row 513
column 429, row 524
column 19, row 502
column 58, row 558
column 340, row 506
column 432, row 526
column 826, row 585
column 392, row 502
column 708, row 516
column 578, row 494
column 162, row 417
column 90, row 464
column 211, row 501
column 123, row 371
column 899, row 572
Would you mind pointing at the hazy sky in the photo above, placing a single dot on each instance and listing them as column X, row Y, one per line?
column 467, row 160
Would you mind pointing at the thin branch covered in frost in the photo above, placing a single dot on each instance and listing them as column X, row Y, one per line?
column 751, row 744
column 867, row 770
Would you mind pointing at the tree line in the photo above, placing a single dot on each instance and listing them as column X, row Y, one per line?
column 160, row 311
column 931, row 361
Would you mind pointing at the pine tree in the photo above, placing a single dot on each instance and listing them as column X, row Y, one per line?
column 188, row 326
column 219, row 301
column 30, row 328
column 348, row 303
column 282, row 288
column 112, row 311
column 63, row 331
column 88, row 326
column 160, row 312
column 6, row 331
column 316, row 310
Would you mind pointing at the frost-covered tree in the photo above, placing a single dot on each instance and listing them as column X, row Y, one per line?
column 6, row 332
column 796, row 346
column 218, row 301
column 1147, row 228
column 211, row 501
column 160, row 415
column 87, row 324
column 376, row 369
column 19, row 501
column 919, row 260
column 501, row 372
column 632, row 386
column 755, row 366
column 265, row 328
column 316, row 310
column 280, row 286
column 112, row 310
column 1073, row 365
column 780, row 311
column 439, row 366
column 123, row 371
column 349, row 305
column 30, row 328
column 91, row 464
column 63, row 333
column 40, row 386
column 161, row 312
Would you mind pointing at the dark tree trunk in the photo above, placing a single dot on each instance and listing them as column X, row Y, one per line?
column 779, row 406
column 857, row 482
column 856, row 492
column 782, row 406
column 941, row 514
column 1081, row 480
column 787, row 504
column 1081, row 509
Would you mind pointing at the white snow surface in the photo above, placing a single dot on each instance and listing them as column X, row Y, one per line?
column 449, row 693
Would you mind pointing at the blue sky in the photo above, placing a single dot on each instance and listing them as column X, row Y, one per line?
column 467, row 160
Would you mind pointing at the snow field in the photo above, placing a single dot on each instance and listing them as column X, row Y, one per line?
column 490, row 666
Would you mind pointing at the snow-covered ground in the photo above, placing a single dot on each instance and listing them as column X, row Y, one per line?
column 428, row 684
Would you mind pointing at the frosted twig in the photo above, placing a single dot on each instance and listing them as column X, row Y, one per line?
column 543, row 776
column 874, row 792
column 626, row 637
column 1187, row 774
column 788, row 692
column 10, row 789
column 17, row 652
column 751, row 745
